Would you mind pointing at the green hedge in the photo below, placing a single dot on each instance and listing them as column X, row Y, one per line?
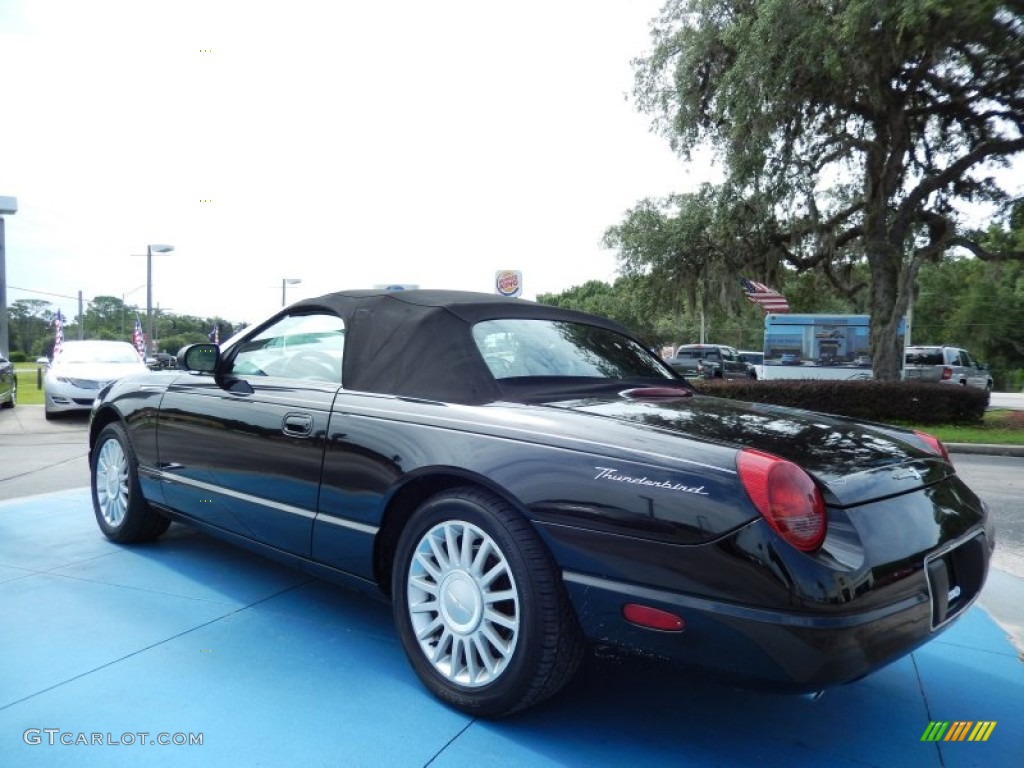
column 899, row 401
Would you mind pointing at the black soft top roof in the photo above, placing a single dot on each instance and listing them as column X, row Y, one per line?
column 419, row 343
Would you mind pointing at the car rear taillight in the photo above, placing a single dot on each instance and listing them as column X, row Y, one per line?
column 934, row 445
column 785, row 496
column 947, row 374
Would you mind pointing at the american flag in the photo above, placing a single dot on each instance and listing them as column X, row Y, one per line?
column 58, row 336
column 214, row 335
column 139, row 338
column 767, row 298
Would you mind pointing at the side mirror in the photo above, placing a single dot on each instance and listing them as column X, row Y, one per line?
column 199, row 357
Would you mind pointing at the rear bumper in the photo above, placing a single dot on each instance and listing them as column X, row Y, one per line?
column 783, row 650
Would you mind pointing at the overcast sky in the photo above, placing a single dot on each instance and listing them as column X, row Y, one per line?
column 345, row 143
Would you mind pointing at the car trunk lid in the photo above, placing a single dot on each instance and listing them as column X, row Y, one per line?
column 852, row 461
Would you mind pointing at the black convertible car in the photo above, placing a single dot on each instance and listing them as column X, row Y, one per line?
column 519, row 478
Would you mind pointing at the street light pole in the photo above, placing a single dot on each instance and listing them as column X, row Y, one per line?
column 150, row 250
column 8, row 205
column 286, row 281
column 3, row 294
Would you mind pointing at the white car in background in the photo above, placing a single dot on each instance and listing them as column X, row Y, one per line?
column 755, row 363
column 82, row 369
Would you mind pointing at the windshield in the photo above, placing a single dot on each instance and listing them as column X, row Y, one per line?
column 98, row 352
column 514, row 348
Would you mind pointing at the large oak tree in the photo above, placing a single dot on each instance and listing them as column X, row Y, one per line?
column 849, row 130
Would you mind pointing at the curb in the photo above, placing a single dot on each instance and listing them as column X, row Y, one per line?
column 986, row 449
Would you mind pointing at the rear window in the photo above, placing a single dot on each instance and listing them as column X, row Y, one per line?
column 699, row 353
column 516, row 347
column 925, row 357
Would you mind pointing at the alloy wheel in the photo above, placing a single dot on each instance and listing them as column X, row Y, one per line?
column 463, row 603
column 112, row 482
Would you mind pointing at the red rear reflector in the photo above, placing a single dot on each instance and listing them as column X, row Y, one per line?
column 652, row 618
column 947, row 373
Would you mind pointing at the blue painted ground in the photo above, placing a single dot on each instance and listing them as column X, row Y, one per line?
column 190, row 636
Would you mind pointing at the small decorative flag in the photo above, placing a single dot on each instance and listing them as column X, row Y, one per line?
column 139, row 339
column 58, row 337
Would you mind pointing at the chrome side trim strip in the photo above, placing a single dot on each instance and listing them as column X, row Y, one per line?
column 288, row 508
column 344, row 523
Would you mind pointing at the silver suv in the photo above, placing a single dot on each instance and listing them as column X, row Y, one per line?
column 950, row 365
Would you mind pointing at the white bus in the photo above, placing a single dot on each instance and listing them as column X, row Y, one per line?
column 819, row 346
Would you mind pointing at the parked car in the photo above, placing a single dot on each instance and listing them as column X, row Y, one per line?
column 754, row 362
column 572, row 486
column 709, row 361
column 81, row 369
column 8, row 384
column 949, row 365
column 160, row 360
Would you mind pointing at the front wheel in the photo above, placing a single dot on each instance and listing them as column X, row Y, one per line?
column 479, row 606
column 121, row 511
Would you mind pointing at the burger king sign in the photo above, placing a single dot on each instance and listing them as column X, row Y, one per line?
column 508, row 282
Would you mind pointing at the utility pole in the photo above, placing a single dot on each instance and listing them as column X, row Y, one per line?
column 9, row 206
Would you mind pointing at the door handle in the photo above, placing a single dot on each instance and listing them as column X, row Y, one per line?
column 297, row 425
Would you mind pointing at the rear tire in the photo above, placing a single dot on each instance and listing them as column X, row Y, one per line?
column 121, row 511
column 480, row 607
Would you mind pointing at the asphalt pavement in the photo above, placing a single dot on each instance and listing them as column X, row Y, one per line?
column 38, row 456
column 1013, row 400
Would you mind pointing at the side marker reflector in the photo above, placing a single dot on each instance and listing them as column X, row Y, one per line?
column 652, row 618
